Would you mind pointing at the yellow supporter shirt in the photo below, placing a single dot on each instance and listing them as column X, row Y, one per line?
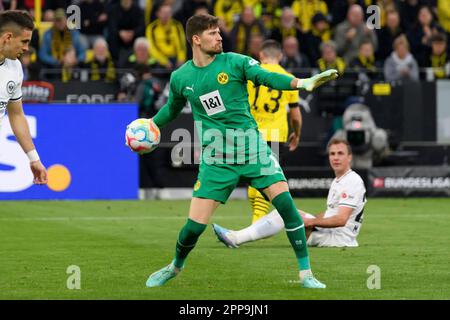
column 269, row 107
column 166, row 41
column 305, row 10
column 443, row 12
column 228, row 10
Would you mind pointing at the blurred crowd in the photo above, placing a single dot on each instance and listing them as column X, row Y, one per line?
column 133, row 42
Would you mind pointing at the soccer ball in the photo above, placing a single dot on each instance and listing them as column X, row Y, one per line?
column 142, row 136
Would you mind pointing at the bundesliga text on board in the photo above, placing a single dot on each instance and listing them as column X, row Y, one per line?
column 411, row 183
column 310, row 183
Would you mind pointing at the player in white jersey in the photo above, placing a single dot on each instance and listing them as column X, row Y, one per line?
column 16, row 28
column 338, row 226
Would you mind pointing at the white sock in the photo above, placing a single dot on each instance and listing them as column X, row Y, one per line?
column 304, row 273
column 267, row 226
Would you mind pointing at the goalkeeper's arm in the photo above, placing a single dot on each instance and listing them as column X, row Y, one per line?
column 310, row 84
column 166, row 114
column 170, row 110
column 279, row 81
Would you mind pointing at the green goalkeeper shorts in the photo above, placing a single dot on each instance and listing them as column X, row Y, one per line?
column 217, row 181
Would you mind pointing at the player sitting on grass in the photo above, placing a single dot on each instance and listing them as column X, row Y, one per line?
column 337, row 227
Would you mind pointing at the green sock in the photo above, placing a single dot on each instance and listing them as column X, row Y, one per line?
column 187, row 239
column 294, row 227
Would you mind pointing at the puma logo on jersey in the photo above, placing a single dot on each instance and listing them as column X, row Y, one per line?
column 252, row 62
column 190, row 88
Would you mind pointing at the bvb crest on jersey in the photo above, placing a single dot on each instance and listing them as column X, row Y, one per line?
column 222, row 78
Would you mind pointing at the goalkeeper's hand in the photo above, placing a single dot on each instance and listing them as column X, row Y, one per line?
column 309, row 84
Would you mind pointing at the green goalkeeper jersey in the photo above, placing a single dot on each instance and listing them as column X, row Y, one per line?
column 218, row 97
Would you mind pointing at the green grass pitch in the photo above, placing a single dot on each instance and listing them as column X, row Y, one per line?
column 117, row 244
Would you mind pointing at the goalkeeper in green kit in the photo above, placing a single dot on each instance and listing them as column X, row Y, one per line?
column 215, row 84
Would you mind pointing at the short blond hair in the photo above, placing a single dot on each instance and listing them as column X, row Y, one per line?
column 141, row 41
column 401, row 39
column 334, row 141
column 330, row 43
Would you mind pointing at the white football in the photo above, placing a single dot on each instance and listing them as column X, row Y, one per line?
column 142, row 136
